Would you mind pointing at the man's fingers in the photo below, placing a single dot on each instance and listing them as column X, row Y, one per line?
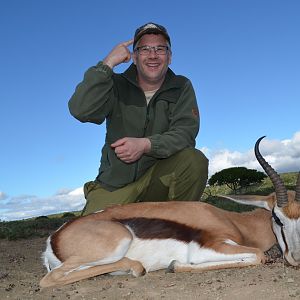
column 118, row 143
column 128, row 43
column 128, row 58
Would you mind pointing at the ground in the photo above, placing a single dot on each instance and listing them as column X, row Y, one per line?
column 21, row 269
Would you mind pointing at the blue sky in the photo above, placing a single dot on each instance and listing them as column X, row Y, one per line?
column 242, row 57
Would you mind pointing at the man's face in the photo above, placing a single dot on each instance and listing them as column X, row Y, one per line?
column 152, row 68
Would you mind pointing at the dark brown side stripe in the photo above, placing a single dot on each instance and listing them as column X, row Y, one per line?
column 147, row 228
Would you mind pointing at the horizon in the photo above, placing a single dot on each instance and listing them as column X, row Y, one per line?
column 79, row 190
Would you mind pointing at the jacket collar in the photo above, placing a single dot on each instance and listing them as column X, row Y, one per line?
column 171, row 79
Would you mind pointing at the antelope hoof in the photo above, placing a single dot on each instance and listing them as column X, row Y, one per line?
column 137, row 272
column 264, row 259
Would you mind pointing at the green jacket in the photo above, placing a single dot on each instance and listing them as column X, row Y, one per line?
column 170, row 121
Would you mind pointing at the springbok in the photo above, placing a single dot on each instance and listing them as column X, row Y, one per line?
column 177, row 236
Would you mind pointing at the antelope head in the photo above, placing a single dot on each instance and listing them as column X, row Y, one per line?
column 285, row 207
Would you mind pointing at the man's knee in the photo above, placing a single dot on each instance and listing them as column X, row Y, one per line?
column 190, row 175
column 194, row 163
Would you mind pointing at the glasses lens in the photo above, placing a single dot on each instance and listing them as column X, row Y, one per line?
column 159, row 50
column 144, row 50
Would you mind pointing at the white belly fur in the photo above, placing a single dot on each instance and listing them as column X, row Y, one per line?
column 156, row 254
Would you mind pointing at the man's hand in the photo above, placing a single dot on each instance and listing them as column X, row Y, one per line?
column 118, row 55
column 130, row 149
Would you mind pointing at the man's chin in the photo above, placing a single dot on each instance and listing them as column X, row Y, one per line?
column 154, row 74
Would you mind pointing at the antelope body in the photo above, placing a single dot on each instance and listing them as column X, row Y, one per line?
column 177, row 236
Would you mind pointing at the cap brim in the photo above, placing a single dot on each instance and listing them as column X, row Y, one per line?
column 149, row 31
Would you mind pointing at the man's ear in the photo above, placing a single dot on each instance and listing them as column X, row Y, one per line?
column 134, row 57
column 170, row 58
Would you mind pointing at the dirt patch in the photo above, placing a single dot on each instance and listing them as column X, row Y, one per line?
column 21, row 269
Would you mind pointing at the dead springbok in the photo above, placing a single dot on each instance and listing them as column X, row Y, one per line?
column 179, row 236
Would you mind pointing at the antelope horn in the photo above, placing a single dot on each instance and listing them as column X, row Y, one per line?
column 280, row 189
column 297, row 197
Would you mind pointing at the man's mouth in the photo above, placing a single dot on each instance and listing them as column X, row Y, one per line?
column 153, row 65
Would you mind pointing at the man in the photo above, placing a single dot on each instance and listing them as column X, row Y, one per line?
column 152, row 121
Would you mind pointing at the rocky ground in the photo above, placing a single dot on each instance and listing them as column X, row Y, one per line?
column 21, row 270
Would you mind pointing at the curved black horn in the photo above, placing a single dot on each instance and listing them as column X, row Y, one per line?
column 297, row 197
column 280, row 189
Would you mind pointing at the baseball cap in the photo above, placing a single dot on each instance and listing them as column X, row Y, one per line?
column 150, row 28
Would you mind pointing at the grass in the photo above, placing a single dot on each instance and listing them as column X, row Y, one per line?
column 44, row 225
column 39, row 227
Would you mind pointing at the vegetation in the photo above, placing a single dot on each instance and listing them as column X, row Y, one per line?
column 38, row 227
column 44, row 225
column 263, row 188
column 237, row 178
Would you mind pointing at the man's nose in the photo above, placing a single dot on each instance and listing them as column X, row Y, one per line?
column 152, row 52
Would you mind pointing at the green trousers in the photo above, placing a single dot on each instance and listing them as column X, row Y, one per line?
column 181, row 177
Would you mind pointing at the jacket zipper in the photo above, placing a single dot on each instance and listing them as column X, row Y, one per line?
column 144, row 132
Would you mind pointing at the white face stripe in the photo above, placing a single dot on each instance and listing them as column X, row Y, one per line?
column 288, row 236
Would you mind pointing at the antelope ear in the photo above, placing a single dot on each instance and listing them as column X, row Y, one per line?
column 266, row 202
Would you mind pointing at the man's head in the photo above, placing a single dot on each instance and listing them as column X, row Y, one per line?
column 151, row 28
column 152, row 54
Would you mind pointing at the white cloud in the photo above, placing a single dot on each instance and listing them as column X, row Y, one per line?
column 284, row 156
column 3, row 196
column 28, row 206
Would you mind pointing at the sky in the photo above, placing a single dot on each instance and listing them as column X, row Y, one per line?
column 242, row 57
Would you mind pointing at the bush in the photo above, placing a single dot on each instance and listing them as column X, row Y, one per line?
column 38, row 227
column 237, row 177
column 68, row 215
column 41, row 218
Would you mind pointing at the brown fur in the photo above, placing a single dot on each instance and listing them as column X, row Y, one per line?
column 150, row 228
column 216, row 224
column 94, row 237
column 292, row 210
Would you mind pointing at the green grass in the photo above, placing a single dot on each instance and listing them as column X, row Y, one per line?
column 44, row 225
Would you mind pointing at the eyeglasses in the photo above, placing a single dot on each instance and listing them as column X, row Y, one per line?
column 146, row 50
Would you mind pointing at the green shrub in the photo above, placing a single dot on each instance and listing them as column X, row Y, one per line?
column 38, row 227
column 68, row 215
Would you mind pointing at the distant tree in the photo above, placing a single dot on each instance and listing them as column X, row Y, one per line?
column 41, row 217
column 68, row 215
column 236, row 178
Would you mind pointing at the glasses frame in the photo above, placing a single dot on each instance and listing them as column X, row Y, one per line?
column 150, row 48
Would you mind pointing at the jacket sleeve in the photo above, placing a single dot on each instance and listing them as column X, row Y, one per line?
column 183, row 129
column 93, row 97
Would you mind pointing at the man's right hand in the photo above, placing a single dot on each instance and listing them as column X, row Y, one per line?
column 130, row 149
column 118, row 55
